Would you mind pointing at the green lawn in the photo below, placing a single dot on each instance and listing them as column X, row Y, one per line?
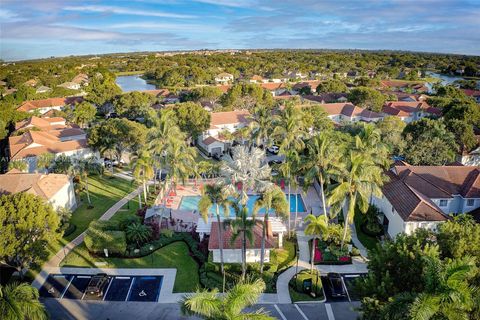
column 175, row 255
column 105, row 191
column 368, row 242
column 295, row 287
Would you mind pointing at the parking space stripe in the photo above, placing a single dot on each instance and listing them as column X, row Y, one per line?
column 301, row 312
column 109, row 284
column 329, row 310
column 130, row 289
column 66, row 287
column 280, row 312
column 346, row 290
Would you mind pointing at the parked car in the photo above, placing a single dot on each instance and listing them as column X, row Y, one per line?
column 109, row 162
column 335, row 282
column 97, row 285
column 273, row 149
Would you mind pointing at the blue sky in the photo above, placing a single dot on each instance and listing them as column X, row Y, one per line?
column 43, row 28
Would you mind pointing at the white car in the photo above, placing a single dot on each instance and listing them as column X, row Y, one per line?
column 273, row 149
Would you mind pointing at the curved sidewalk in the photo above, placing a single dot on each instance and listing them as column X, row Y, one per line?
column 65, row 250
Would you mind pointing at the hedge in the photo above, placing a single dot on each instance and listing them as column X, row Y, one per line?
column 114, row 241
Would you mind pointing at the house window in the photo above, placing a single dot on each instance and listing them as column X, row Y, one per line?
column 470, row 202
column 443, row 203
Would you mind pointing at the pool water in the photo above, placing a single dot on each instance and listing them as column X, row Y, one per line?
column 190, row 203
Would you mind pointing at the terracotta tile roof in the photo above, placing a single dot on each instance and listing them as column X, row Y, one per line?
column 257, row 78
column 406, row 108
column 46, row 103
column 329, row 97
column 229, row 117
column 271, row 86
column 349, row 110
column 451, row 180
column 214, row 243
column 313, row 84
column 43, row 185
column 39, row 122
column 410, row 204
column 472, row 93
column 80, row 78
column 208, row 141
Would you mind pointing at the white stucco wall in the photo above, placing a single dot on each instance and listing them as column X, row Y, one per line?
column 396, row 224
column 235, row 255
column 64, row 198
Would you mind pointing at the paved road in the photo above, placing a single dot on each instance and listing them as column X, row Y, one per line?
column 103, row 310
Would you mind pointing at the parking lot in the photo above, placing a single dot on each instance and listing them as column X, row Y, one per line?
column 119, row 288
column 348, row 283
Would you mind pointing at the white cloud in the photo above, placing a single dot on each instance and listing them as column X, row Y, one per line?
column 126, row 11
column 8, row 16
column 159, row 25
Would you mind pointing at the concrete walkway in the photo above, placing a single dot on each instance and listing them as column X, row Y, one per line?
column 357, row 266
column 62, row 253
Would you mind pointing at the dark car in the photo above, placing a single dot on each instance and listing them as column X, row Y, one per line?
column 97, row 285
column 335, row 283
column 217, row 156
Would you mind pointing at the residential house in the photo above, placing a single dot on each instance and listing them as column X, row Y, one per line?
column 31, row 82
column 257, row 79
column 275, row 88
column 409, row 111
column 329, row 97
column 424, row 196
column 312, row 84
column 347, row 112
column 81, row 79
column 224, row 78
column 57, row 189
column 295, row 75
column 211, row 140
column 43, row 89
column 36, row 136
column 45, row 105
column 473, row 93
column 70, row 85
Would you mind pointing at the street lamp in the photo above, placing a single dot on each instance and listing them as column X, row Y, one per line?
column 151, row 253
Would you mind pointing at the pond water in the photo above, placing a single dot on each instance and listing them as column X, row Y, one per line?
column 445, row 79
column 133, row 83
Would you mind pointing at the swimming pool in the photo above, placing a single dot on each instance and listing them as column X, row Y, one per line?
column 190, row 203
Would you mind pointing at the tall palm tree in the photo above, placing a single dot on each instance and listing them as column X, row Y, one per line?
column 63, row 164
column 360, row 178
column 143, row 170
column 271, row 198
column 19, row 302
column 163, row 133
column 261, row 125
column 20, row 165
column 45, row 160
column 316, row 227
column 449, row 291
column 242, row 226
column 322, row 158
column 138, row 233
column 180, row 161
column 287, row 170
column 214, row 195
column 211, row 305
column 86, row 167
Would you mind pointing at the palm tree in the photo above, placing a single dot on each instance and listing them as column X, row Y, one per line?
column 211, row 305
column 138, row 233
column 322, row 157
column 20, row 165
column 63, row 164
column 242, row 226
column 19, row 301
column 161, row 136
column 143, row 170
column 261, row 125
column 360, row 178
column 272, row 198
column 287, row 169
column 86, row 167
column 45, row 160
column 248, row 169
column 214, row 195
column 316, row 227
column 449, row 292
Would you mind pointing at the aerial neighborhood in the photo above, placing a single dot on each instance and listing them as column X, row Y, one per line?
column 240, row 184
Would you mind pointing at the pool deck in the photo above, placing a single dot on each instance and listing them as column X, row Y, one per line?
column 310, row 199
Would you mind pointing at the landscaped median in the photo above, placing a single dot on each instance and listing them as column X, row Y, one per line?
column 306, row 286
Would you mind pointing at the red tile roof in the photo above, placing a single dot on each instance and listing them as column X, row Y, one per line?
column 43, row 185
column 46, row 103
column 406, row 108
column 214, row 242
column 349, row 110
column 229, row 117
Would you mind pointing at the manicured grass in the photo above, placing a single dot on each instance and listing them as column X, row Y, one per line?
column 175, row 255
column 105, row 191
column 295, row 287
column 368, row 241
column 284, row 257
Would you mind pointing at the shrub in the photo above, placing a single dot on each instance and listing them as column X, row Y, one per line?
column 166, row 233
column 296, row 283
column 129, row 220
column 105, row 225
column 355, row 252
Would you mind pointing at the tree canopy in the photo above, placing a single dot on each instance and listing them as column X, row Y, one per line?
column 367, row 98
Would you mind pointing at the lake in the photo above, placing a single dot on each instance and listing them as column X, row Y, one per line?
column 133, row 83
column 444, row 79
